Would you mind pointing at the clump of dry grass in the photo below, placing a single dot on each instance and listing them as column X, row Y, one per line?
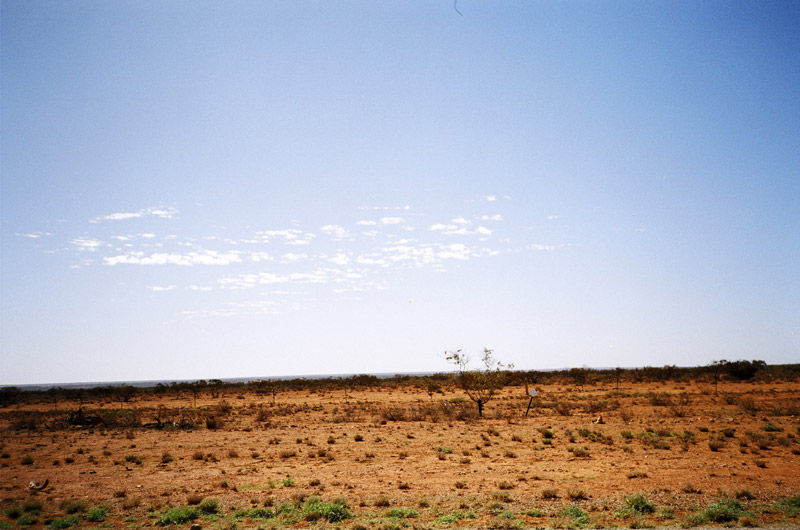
column 549, row 494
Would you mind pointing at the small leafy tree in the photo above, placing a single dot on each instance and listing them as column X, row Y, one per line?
column 479, row 384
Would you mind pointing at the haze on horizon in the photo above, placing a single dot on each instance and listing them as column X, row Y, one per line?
column 198, row 190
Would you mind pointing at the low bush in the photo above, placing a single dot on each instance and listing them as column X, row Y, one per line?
column 789, row 506
column 179, row 515
column 333, row 512
column 74, row 506
column 578, row 516
column 636, row 504
column 722, row 511
column 209, row 506
column 97, row 514
column 64, row 522
column 401, row 513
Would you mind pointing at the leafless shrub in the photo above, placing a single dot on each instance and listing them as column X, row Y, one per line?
column 747, row 404
column 660, row 399
column 549, row 494
column 577, row 495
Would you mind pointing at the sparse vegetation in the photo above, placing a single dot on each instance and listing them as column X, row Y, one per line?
column 398, row 434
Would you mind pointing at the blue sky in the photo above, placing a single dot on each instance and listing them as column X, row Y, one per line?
column 201, row 190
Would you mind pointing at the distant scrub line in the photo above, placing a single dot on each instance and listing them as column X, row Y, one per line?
column 716, row 372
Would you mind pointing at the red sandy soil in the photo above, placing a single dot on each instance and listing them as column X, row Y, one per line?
column 679, row 443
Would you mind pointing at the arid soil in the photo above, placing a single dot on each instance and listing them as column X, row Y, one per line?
column 401, row 457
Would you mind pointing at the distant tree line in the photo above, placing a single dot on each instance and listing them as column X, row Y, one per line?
column 717, row 371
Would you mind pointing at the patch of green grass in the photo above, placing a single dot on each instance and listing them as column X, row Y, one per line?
column 333, row 512
column 722, row 511
column 64, row 522
column 27, row 519
column 636, row 504
column 578, row 516
column 209, row 506
column 97, row 514
column 789, row 506
column 261, row 513
column 534, row 513
column 288, row 482
column 179, row 515
column 401, row 513
column 454, row 517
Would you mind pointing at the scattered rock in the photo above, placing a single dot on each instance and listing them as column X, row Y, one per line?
column 36, row 486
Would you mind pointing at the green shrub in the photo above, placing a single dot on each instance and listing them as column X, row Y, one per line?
column 578, row 516
column 333, row 512
column 27, row 519
column 636, row 504
column 179, row 515
column 401, row 513
column 261, row 513
column 789, row 506
column 723, row 511
column 27, row 460
column 97, row 514
column 209, row 506
column 64, row 522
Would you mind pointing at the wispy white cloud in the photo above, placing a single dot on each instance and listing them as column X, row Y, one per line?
column 340, row 259
column 541, row 248
column 460, row 229
column 158, row 288
column 335, row 231
column 260, row 256
column 87, row 244
column 34, row 235
column 290, row 236
column 291, row 257
column 164, row 213
column 206, row 257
